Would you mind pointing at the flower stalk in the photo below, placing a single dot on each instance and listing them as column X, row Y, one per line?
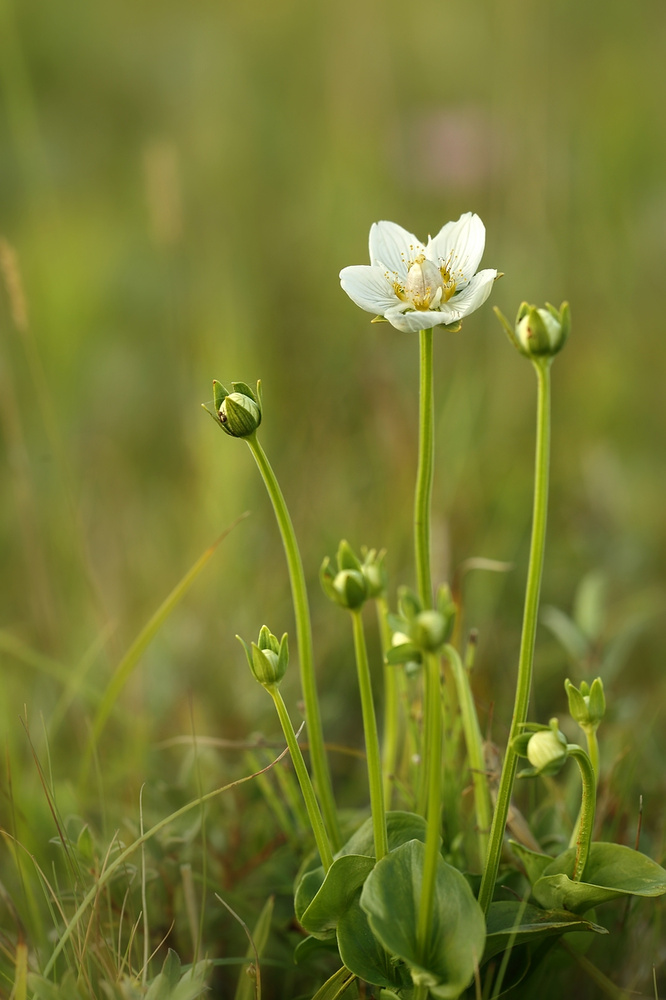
column 524, row 683
column 309, row 797
column 424, row 476
column 432, row 757
column 371, row 737
column 587, row 810
column 391, row 730
column 318, row 757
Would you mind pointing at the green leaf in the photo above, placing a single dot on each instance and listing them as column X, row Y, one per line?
column 406, row 652
column 310, row 945
column 612, row 870
column 362, row 952
column 334, row 987
column 533, row 862
column 511, row 921
column 307, row 888
column 391, row 897
column 344, row 877
column 400, row 828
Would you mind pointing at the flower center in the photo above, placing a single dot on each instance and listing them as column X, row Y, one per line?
column 426, row 286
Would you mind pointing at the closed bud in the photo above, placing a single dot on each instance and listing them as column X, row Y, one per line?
column 374, row 572
column 349, row 587
column 538, row 332
column 268, row 658
column 239, row 415
column 547, row 750
column 238, row 412
column 587, row 704
column 429, row 631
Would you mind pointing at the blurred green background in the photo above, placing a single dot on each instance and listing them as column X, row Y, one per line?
column 181, row 183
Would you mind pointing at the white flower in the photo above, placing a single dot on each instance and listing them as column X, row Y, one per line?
column 416, row 286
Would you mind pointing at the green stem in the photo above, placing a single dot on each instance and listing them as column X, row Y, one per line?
column 309, row 797
column 474, row 744
column 593, row 753
column 371, row 738
column 524, row 683
column 391, row 735
column 322, row 775
column 587, row 810
column 424, row 476
column 432, row 759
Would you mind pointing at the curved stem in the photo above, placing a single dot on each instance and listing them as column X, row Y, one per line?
column 474, row 744
column 371, row 738
column 593, row 753
column 432, row 758
column 424, row 476
column 311, row 804
column 524, row 683
column 587, row 810
column 322, row 775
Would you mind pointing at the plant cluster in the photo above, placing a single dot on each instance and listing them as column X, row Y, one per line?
column 411, row 907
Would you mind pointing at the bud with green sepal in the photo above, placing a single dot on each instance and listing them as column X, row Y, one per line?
column 587, row 704
column 545, row 747
column 374, row 571
column 538, row 333
column 268, row 658
column 417, row 631
column 238, row 412
column 348, row 586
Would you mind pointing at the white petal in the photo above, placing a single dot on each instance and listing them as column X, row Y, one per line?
column 368, row 287
column 412, row 322
column 472, row 296
column 459, row 245
column 393, row 247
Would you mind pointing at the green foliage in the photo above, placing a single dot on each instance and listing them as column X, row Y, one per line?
column 446, row 961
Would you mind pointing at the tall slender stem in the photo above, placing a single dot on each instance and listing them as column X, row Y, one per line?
column 391, row 731
column 432, row 757
column 322, row 775
column 371, row 738
column 424, row 476
column 524, row 683
column 311, row 804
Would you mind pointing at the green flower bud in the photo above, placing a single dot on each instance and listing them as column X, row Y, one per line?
column 425, row 631
column 538, row 332
column 239, row 415
column 238, row 412
column 547, row 750
column 268, row 658
column 374, row 571
column 429, row 631
column 349, row 586
column 587, row 704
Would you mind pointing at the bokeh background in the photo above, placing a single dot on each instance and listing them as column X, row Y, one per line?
column 180, row 184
